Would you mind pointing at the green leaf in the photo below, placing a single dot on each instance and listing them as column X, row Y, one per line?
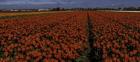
column 138, row 54
column 1, row 52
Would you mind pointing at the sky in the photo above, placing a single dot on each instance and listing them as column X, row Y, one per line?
column 19, row 4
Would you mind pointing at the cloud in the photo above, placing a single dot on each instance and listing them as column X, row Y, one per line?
column 36, row 2
column 71, row 3
column 11, row 2
column 42, row 3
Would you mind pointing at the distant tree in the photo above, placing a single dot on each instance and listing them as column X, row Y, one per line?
column 138, row 8
column 130, row 8
column 119, row 8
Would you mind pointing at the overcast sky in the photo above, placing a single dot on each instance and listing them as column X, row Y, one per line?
column 66, row 3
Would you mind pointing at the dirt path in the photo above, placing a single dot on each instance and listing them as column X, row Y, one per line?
column 94, row 54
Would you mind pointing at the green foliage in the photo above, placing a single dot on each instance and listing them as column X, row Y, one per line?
column 1, row 52
column 138, row 54
column 80, row 59
column 46, row 37
column 110, row 51
column 130, row 47
column 49, row 37
column 121, row 59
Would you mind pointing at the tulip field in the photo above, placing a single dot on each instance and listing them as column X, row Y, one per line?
column 84, row 36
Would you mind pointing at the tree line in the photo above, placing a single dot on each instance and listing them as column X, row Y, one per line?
column 122, row 9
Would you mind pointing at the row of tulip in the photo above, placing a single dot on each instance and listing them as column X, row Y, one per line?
column 57, row 37
column 119, row 44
